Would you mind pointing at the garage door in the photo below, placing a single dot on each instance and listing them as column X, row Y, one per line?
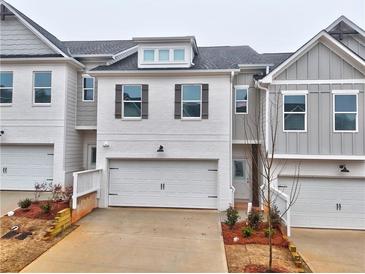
column 160, row 183
column 24, row 165
column 328, row 203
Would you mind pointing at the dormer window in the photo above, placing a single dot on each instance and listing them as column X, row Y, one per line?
column 163, row 55
column 179, row 55
column 149, row 55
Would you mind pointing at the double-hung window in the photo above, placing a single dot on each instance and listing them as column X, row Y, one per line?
column 42, row 87
column 88, row 89
column 295, row 110
column 191, row 102
column 345, row 110
column 241, row 99
column 6, row 87
column 132, row 101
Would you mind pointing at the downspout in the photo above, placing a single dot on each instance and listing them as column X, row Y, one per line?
column 230, row 137
column 258, row 85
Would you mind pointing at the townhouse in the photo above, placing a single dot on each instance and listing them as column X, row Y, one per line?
column 172, row 124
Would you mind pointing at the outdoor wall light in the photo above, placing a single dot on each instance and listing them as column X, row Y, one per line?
column 2, row 133
column 160, row 149
column 106, row 144
column 343, row 168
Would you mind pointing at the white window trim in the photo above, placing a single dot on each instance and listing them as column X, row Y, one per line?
column 189, row 101
column 12, row 90
column 296, row 93
column 83, row 89
column 334, row 112
column 235, row 98
column 134, row 101
column 34, row 87
column 157, row 61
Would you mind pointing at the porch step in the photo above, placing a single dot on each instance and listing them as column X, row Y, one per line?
column 241, row 204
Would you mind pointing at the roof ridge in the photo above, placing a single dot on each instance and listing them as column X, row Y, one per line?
column 113, row 40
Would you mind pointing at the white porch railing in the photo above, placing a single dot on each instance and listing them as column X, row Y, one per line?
column 282, row 201
column 85, row 182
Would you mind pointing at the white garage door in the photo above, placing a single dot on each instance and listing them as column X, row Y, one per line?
column 161, row 183
column 24, row 165
column 328, row 203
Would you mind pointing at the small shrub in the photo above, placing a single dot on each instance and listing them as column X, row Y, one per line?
column 254, row 219
column 269, row 231
column 275, row 216
column 247, row 231
column 38, row 189
column 232, row 217
column 57, row 193
column 46, row 207
column 25, row 203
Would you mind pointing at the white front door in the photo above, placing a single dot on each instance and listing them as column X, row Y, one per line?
column 163, row 183
column 328, row 203
column 91, row 156
column 22, row 166
column 240, row 175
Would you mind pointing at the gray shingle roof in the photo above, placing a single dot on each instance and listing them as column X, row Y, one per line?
column 223, row 57
column 53, row 39
column 98, row 47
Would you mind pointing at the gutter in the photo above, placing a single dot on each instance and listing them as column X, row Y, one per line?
column 167, row 71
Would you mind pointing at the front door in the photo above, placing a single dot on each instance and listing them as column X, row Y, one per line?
column 91, row 156
column 241, row 179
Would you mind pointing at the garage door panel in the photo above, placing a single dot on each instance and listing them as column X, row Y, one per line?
column 318, row 198
column 186, row 183
column 24, row 165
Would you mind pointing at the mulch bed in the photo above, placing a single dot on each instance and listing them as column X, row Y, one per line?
column 35, row 211
column 258, row 236
column 254, row 268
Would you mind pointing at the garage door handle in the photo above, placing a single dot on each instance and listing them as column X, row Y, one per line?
column 336, row 206
column 339, row 206
column 212, row 196
column 5, row 170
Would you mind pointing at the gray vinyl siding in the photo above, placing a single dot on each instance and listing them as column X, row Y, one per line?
column 356, row 43
column 244, row 125
column 320, row 63
column 320, row 139
column 73, row 138
column 16, row 39
column 86, row 111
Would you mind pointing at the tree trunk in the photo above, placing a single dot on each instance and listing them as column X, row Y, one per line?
column 269, row 222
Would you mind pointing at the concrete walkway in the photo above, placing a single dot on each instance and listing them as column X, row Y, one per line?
column 139, row 240
column 327, row 250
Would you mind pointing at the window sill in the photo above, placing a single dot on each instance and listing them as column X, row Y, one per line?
column 345, row 131
column 191, row 119
column 131, row 119
column 241, row 113
column 294, row 131
column 41, row 105
column 6, row 104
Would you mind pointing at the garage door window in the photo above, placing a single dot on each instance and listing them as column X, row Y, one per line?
column 191, row 101
column 295, row 112
column 345, row 112
column 6, row 87
column 132, row 101
column 42, row 86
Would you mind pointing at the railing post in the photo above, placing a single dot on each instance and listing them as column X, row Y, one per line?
column 74, row 190
column 288, row 228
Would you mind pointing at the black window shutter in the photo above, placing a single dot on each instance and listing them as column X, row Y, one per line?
column 118, row 101
column 144, row 101
column 205, row 101
column 177, row 101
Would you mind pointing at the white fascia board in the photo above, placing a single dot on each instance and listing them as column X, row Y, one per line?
column 155, row 72
column 318, row 82
column 318, row 157
column 310, row 44
column 42, row 60
column 32, row 29
column 254, row 66
column 348, row 22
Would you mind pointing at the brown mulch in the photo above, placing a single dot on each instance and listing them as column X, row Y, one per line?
column 16, row 254
column 35, row 211
column 241, row 256
column 255, row 268
column 258, row 236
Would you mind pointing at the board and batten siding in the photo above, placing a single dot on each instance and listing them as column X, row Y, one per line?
column 320, row 63
column 356, row 43
column 86, row 111
column 16, row 39
column 244, row 126
column 320, row 137
column 73, row 138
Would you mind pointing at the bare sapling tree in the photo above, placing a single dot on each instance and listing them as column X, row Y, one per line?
column 264, row 130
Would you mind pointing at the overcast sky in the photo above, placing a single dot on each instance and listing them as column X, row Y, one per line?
column 265, row 25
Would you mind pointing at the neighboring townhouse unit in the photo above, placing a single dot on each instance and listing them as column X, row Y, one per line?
column 172, row 124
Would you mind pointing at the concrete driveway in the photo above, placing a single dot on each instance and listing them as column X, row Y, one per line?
column 139, row 240
column 327, row 250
